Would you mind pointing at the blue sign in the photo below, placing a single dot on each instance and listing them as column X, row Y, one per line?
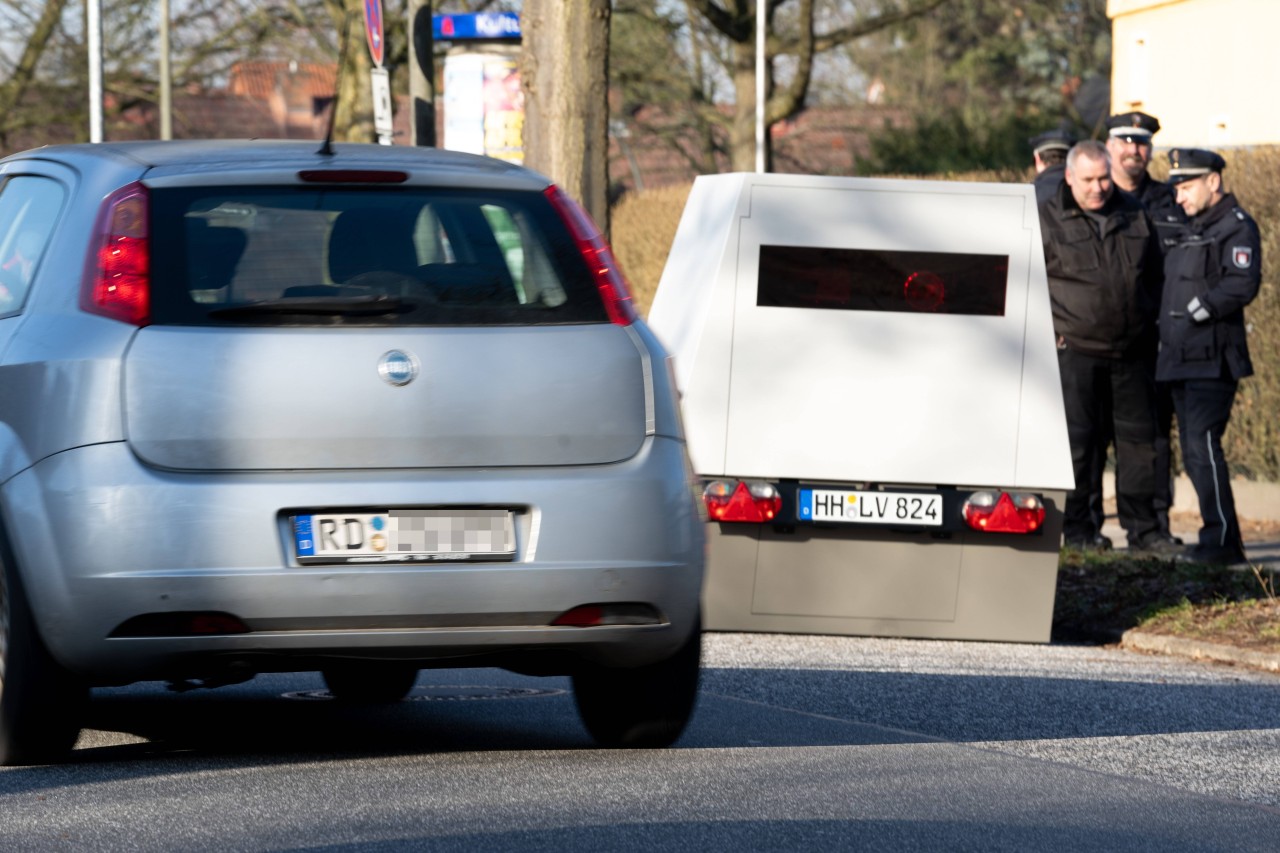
column 477, row 25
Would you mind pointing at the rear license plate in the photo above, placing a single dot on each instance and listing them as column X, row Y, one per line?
column 916, row 509
column 404, row 536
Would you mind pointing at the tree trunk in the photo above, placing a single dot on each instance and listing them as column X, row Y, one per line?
column 422, row 75
column 353, row 121
column 742, row 133
column 564, row 74
column 12, row 90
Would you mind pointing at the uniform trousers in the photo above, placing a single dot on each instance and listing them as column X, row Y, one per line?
column 1093, row 389
column 1204, row 408
column 1162, row 499
column 1164, row 456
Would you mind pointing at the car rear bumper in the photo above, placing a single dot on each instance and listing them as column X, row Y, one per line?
column 100, row 538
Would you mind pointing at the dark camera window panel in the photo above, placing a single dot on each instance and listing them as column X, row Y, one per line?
column 878, row 280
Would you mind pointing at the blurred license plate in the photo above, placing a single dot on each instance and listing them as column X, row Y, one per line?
column 910, row 508
column 399, row 536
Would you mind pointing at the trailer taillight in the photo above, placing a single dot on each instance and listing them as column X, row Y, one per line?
column 1002, row 512
column 736, row 500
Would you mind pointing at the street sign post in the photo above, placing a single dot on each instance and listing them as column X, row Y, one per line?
column 381, row 81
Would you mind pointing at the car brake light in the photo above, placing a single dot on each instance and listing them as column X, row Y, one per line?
column 117, row 282
column 599, row 257
column 735, row 500
column 352, row 176
column 992, row 512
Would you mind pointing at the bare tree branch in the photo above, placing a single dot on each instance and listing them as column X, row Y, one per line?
column 13, row 89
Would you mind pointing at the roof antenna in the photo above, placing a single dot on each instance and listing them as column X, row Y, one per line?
column 326, row 148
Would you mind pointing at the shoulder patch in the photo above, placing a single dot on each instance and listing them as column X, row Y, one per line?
column 1239, row 214
column 1242, row 256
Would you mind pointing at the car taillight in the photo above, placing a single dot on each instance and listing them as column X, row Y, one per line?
column 1001, row 512
column 117, row 282
column 599, row 257
column 735, row 500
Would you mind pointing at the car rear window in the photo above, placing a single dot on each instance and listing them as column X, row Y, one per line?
column 882, row 280
column 390, row 256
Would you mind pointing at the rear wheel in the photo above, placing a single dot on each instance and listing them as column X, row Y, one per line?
column 645, row 706
column 372, row 682
column 40, row 702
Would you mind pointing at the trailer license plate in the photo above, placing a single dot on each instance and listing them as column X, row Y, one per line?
column 902, row 508
column 404, row 536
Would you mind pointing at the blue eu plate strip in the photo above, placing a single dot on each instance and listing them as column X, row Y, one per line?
column 806, row 504
column 302, row 536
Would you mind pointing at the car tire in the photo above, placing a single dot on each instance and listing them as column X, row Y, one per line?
column 41, row 703
column 370, row 682
column 644, row 707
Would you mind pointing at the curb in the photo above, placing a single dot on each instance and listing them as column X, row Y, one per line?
column 1199, row 650
column 1255, row 499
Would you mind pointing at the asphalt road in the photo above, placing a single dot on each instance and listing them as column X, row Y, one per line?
column 798, row 743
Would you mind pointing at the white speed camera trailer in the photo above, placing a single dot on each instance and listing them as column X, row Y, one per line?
column 871, row 395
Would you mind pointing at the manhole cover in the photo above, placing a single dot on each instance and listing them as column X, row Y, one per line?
column 447, row 693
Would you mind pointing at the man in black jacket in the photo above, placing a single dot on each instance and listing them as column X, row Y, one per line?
column 1129, row 142
column 1103, row 260
column 1210, row 275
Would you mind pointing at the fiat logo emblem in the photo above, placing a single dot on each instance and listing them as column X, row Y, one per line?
column 398, row 368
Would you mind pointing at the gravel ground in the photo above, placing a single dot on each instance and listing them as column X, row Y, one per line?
column 1197, row 726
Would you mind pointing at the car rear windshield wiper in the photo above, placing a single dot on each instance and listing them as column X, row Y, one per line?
column 345, row 306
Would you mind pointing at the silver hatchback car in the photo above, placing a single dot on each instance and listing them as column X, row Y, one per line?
column 265, row 408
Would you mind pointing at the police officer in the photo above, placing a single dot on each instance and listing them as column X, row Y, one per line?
column 1210, row 275
column 1049, row 153
column 1129, row 142
column 1103, row 261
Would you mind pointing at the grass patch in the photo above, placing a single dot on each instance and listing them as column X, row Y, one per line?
column 1250, row 624
column 1100, row 596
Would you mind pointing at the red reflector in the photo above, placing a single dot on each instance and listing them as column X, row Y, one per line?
column 599, row 257
column 618, row 613
column 1020, row 513
column 924, row 291
column 181, row 624
column 739, row 501
column 585, row 616
column 353, row 176
column 216, row 623
column 117, row 282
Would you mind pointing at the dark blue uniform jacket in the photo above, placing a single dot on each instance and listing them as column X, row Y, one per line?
column 1162, row 206
column 1218, row 261
column 1048, row 181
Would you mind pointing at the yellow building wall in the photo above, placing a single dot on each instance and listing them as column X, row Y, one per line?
column 1208, row 69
